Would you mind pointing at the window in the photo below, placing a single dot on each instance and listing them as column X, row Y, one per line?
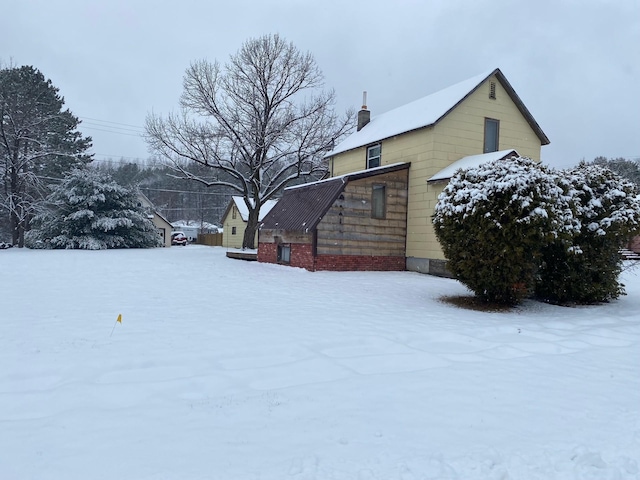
column 491, row 129
column 492, row 90
column 373, row 156
column 233, row 230
column 284, row 253
column 233, row 213
column 378, row 201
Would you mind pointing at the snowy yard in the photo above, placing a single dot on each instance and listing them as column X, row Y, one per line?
column 223, row 369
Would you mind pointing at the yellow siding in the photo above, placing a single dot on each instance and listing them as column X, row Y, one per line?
column 430, row 149
column 228, row 239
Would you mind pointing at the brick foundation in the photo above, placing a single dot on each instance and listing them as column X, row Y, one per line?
column 302, row 257
column 360, row 263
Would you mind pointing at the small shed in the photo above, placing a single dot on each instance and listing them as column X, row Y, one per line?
column 356, row 221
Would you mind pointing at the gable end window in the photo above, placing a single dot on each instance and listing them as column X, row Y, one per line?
column 492, row 90
column 491, row 134
column 234, row 213
column 284, row 253
column 379, row 201
column 374, row 152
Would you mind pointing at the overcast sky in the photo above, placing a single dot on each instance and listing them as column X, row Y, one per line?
column 575, row 64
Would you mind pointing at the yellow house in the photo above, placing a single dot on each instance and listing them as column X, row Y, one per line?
column 234, row 221
column 474, row 121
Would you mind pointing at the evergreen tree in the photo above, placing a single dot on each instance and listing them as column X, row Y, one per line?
column 90, row 211
column 491, row 222
column 608, row 208
column 511, row 228
column 37, row 140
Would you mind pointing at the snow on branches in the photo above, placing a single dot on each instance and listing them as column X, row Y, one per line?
column 509, row 228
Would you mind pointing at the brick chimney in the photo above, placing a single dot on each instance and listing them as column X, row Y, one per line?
column 364, row 115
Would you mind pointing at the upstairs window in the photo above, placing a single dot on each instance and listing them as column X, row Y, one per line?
column 373, row 156
column 378, row 201
column 234, row 212
column 492, row 90
column 491, row 131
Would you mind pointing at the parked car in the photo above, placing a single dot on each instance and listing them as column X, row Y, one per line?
column 178, row 238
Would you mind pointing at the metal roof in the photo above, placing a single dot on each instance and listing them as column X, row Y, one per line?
column 302, row 207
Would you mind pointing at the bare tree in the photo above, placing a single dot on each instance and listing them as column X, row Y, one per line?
column 260, row 121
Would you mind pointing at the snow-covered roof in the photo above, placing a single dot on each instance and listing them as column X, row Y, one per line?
column 471, row 161
column 428, row 111
column 420, row 113
column 244, row 211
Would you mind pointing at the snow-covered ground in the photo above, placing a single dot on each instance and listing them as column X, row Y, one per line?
column 224, row 369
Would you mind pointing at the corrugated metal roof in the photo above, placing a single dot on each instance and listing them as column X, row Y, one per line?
column 302, row 207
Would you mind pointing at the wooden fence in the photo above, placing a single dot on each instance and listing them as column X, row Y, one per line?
column 210, row 239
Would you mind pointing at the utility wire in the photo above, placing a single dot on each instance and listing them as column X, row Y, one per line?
column 114, row 123
column 113, row 131
column 186, row 191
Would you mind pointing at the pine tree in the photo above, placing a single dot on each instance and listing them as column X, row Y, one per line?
column 37, row 139
column 90, row 211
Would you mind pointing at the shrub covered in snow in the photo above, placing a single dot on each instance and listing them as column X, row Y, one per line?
column 492, row 220
column 88, row 210
column 509, row 228
column 608, row 208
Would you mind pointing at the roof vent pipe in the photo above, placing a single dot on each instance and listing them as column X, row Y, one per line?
column 364, row 115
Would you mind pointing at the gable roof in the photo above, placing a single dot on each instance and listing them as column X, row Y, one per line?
column 238, row 201
column 303, row 206
column 472, row 161
column 428, row 111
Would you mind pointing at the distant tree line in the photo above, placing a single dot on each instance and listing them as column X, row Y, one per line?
column 629, row 169
column 174, row 197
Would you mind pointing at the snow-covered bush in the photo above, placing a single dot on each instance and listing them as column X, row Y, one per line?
column 511, row 228
column 88, row 210
column 492, row 221
column 608, row 208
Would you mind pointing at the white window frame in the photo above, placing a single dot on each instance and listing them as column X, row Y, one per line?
column 372, row 155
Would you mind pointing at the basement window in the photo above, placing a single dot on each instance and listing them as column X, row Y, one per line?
column 492, row 90
column 284, row 253
column 374, row 153
column 491, row 131
column 378, row 201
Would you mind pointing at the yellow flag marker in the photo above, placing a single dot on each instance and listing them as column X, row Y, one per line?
column 118, row 321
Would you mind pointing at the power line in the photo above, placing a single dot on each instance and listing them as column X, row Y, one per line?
column 139, row 135
column 122, row 158
column 185, row 191
column 114, row 123
column 123, row 129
